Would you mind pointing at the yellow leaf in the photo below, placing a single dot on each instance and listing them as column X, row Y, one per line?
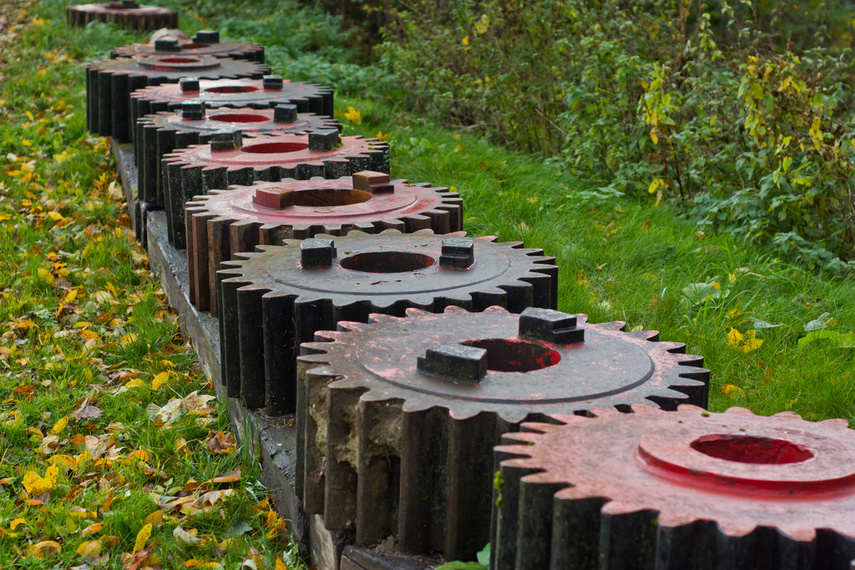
column 140, row 454
column 92, row 529
column 731, row 390
column 483, row 24
column 35, row 484
column 465, row 41
column 743, row 343
column 61, row 460
column 89, row 548
column 14, row 524
column 135, row 383
column 159, row 380
column 59, row 425
column 129, row 338
column 155, row 518
column 353, row 116
column 280, row 564
column 44, row 548
column 142, row 537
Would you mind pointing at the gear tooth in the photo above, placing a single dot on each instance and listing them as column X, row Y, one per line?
column 788, row 415
column 646, row 410
column 690, row 408
column 673, row 347
column 739, row 410
column 836, row 423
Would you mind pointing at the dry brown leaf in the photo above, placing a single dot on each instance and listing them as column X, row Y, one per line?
column 221, row 443
column 86, row 411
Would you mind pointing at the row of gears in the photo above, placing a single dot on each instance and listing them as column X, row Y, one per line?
column 405, row 351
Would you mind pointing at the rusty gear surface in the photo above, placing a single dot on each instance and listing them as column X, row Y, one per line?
column 128, row 15
column 110, row 82
column 684, row 489
column 257, row 93
column 397, row 419
column 270, row 301
column 205, row 43
column 161, row 133
column 198, row 169
column 226, row 222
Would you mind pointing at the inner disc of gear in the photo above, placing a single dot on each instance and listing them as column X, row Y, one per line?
column 110, row 82
column 684, row 489
column 126, row 14
column 205, row 43
column 226, row 222
column 257, row 93
column 163, row 132
column 425, row 398
column 274, row 299
column 198, row 169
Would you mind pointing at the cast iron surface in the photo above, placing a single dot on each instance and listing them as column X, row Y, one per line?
column 213, row 94
column 208, row 44
column 685, row 489
column 130, row 15
column 397, row 419
column 161, row 133
column 274, row 299
column 198, row 169
column 110, row 82
column 226, row 222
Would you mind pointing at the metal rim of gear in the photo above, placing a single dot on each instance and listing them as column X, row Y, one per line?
column 232, row 49
column 110, row 82
column 684, row 489
column 225, row 222
column 198, row 169
column 424, row 466
column 161, row 133
column 308, row 97
column 140, row 18
column 273, row 299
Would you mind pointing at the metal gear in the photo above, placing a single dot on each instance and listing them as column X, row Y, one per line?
column 163, row 132
column 126, row 14
column 272, row 300
column 270, row 91
column 198, row 169
column 397, row 419
column 226, row 222
column 669, row 490
column 110, row 82
column 205, row 42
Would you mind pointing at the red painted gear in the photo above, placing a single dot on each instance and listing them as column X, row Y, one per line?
column 198, row 169
column 110, row 82
column 205, row 43
column 161, row 133
column 425, row 429
column 684, row 489
column 127, row 14
column 226, row 222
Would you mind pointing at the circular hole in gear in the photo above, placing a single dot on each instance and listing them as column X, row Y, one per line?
column 178, row 60
column 239, row 118
column 275, row 148
column 387, row 262
column 321, row 197
column 232, row 89
column 751, row 449
column 515, row 355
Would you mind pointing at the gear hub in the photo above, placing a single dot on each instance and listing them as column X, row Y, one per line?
column 198, row 169
column 204, row 43
column 126, row 14
column 684, row 489
column 273, row 300
column 110, row 82
column 270, row 91
column 226, row 222
column 161, row 133
column 397, row 419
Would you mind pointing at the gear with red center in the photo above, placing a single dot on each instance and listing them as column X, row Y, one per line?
column 110, row 82
column 166, row 131
column 270, row 91
column 205, row 42
column 198, row 169
column 673, row 490
column 397, row 419
column 226, row 222
column 126, row 14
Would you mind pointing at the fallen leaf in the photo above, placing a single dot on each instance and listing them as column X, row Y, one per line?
column 14, row 523
column 89, row 548
column 37, row 485
column 92, row 529
column 44, row 548
column 159, row 380
column 142, row 537
column 221, row 443
column 184, row 538
column 86, row 411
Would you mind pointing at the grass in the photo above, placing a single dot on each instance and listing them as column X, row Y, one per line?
column 100, row 387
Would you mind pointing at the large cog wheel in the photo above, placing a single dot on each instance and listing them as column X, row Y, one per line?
column 674, row 490
column 205, row 42
column 272, row 300
column 161, row 133
column 110, row 82
column 198, row 169
column 397, row 419
column 126, row 14
column 226, row 222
